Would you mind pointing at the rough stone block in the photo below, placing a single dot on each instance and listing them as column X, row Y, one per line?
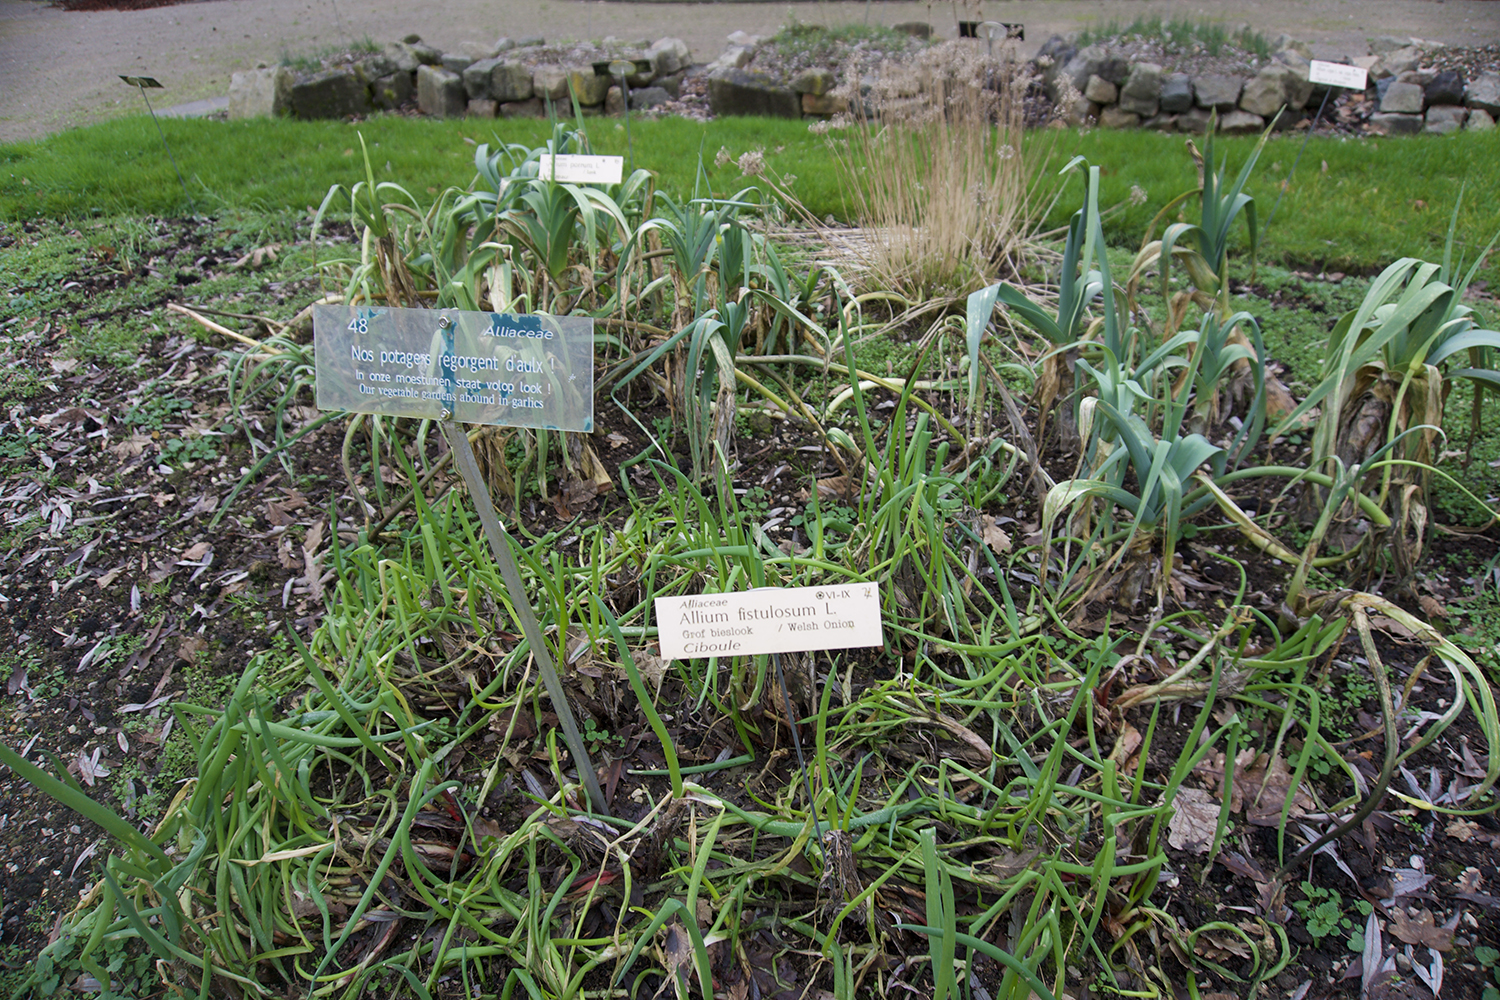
column 404, row 57
column 550, row 82
column 1394, row 124
column 1266, row 93
column 1194, row 120
column 482, row 107
column 670, row 55
column 671, row 84
column 477, row 79
column 503, row 44
column 813, row 81
column 1479, row 121
column 456, row 62
column 733, row 57
column 1161, row 123
column 510, row 81
column 589, row 89
column 477, row 51
column 1101, row 91
column 1397, row 62
column 426, row 55
column 1484, row 93
column 1142, row 91
column 1115, row 117
column 1402, row 99
column 390, row 92
column 648, row 97
column 1241, row 123
column 1444, row 118
column 332, row 93
column 1446, row 87
column 614, row 102
column 1176, row 93
column 1086, row 62
column 440, row 92
column 1381, row 44
column 1081, row 111
column 530, row 41
column 823, row 104
column 373, row 67
column 747, row 92
column 1218, row 93
column 259, row 93
column 533, row 107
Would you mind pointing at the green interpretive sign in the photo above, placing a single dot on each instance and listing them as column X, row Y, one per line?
column 473, row 367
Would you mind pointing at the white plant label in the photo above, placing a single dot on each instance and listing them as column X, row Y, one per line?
column 1336, row 75
column 769, row 620
column 576, row 168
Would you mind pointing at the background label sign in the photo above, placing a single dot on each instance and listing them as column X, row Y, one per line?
column 578, row 168
column 1336, row 75
column 482, row 368
column 773, row 620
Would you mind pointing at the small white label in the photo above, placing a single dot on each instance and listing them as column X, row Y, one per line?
column 575, row 168
column 1336, row 75
column 771, row 620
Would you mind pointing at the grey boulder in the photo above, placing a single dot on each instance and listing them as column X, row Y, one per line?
column 1484, row 93
column 1444, row 118
column 259, row 93
column 751, row 92
column 1218, row 93
column 333, row 93
column 1396, row 124
column 1142, row 91
column 440, row 92
column 1402, row 99
column 1176, row 93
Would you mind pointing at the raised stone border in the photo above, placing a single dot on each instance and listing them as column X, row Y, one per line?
column 1092, row 85
column 509, row 79
column 1096, row 85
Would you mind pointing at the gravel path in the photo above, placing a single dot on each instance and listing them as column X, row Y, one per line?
column 60, row 69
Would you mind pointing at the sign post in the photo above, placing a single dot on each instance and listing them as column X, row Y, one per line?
column 468, row 367
column 1330, row 75
column 143, row 83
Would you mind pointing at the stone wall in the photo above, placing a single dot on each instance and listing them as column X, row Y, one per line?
column 1096, row 85
column 512, row 78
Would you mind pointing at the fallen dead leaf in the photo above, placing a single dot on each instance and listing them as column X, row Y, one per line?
column 1465, row 831
column 1421, row 929
column 996, row 538
column 194, row 553
column 616, row 439
column 1194, row 819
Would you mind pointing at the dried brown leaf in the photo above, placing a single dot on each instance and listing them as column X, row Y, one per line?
column 1421, row 929
column 1195, row 817
column 996, row 538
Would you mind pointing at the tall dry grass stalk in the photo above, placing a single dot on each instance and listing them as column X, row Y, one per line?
column 935, row 159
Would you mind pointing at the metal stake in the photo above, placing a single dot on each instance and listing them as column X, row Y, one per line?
column 141, row 83
column 1288, row 182
column 499, row 539
column 791, row 721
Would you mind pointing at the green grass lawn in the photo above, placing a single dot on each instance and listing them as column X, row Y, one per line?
column 1352, row 205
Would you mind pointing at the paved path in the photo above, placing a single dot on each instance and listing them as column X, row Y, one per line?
column 60, row 69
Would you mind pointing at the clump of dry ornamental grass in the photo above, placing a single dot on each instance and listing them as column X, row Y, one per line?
column 941, row 176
